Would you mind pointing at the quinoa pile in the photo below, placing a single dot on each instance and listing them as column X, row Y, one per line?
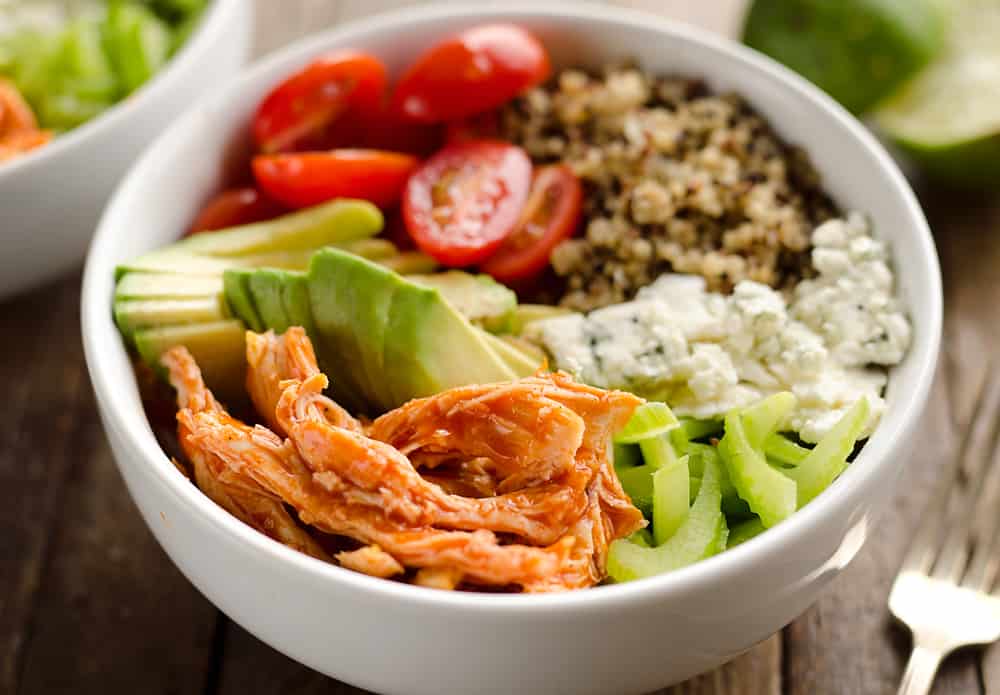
column 676, row 179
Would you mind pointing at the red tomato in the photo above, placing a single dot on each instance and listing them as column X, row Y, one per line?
column 390, row 131
column 310, row 178
column 235, row 207
column 464, row 201
column 551, row 214
column 484, row 125
column 477, row 70
column 304, row 111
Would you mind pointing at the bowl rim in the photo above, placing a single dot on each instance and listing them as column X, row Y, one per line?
column 211, row 23
column 133, row 428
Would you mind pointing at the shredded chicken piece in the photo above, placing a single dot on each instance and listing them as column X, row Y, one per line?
column 501, row 485
column 238, row 495
column 371, row 560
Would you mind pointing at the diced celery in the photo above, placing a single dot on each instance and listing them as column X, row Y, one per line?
column 769, row 493
column 670, row 499
column 699, row 429
column 658, row 451
column 782, row 450
column 643, row 537
column 649, row 420
column 702, row 535
column 829, row 458
column 744, row 531
column 732, row 505
column 637, row 482
column 764, row 417
column 626, row 455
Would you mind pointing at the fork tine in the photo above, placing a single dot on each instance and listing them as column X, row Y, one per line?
column 968, row 486
column 924, row 545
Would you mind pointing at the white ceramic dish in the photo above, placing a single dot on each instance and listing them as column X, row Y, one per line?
column 51, row 199
column 396, row 638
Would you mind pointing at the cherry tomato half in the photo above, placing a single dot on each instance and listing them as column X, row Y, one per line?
column 305, row 111
column 235, row 207
column 464, row 201
column 484, row 125
column 390, row 131
column 474, row 71
column 309, row 178
column 551, row 214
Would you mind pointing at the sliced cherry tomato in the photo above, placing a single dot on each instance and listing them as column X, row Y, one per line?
column 309, row 178
column 309, row 110
column 551, row 214
column 482, row 126
column 474, row 71
column 464, row 201
column 235, row 207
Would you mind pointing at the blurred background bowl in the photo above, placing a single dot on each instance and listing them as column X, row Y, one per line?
column 51, row 198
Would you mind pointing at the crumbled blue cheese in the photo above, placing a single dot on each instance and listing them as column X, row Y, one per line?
column 705, row 353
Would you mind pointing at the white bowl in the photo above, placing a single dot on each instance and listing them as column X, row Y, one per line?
column 629, row 638
column 51, row 199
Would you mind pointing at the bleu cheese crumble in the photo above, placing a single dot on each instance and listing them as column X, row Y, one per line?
column 705, row 353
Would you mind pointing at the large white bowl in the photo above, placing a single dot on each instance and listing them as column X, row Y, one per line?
column 51, row 199
column 630, row 638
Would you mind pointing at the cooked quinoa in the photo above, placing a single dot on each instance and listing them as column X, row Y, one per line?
column 677, row 179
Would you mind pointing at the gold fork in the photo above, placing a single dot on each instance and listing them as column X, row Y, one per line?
column 947, row 589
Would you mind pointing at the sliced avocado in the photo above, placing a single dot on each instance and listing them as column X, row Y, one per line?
column 479, row 298
column 266, row 289
column 515, row 356
column 526, row 313
column 409, row 262
column 295, row 298
column 219, row 348
column 236, row 284
column 132, row 314
column 177, row 262
column 147, row 285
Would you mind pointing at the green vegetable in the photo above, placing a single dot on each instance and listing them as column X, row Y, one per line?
column 769, row 494
column 732, row 504
column 637, row 482
column 764, row 417
column 744, row 531
column 671, row 488
column 859, row 51
column 702, row 534
column 649, row 420
column 829, row 458
column 626, row 455
column 699, row 429
column 783, row 451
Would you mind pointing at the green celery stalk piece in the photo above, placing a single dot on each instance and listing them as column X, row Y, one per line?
column 764, row 417
column 699, row 429
column 770, row 494
column 637, row 482
column 671, row 500
column 829, row 458
column 744, row 531
column 658, row 451
column 702, row 534
column 643, row 537
column 626, row 455
column 649, row 420
column 732, row 504
column 780, row 449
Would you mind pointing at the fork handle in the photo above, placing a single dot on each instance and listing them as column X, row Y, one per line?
column 920, row 671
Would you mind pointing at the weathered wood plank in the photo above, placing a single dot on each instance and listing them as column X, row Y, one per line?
column 758, row 672
column 44, row 391
column 991, row 670
column 113, row 614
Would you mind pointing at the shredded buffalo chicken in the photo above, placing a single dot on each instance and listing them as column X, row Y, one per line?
column 504, row 486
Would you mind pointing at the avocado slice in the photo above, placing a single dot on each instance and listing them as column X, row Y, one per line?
column 526, row 313
column 236, row 284
column 521, row 357
column 132, row 314
column 295, row 298
column 265, row 287
column 409, row 262
column 480, row 298
column 147, row 285
column 219, row 347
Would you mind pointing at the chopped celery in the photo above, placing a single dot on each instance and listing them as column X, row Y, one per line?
column 626, row 455
column 699, row 429
column 658, row 451
column 764, row 417
column 649, row 420
column 769, row 493
column 637, row 482
column 732, row 505
column 643, row 537
column 782, row 450
column 703, row 534
column 670, row 498
column 744, row 531
column 829, row 458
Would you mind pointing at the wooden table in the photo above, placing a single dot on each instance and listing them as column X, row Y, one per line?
column 89, row 603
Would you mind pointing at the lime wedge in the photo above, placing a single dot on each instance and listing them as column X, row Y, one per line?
column 948, row 117
column 858, row 51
